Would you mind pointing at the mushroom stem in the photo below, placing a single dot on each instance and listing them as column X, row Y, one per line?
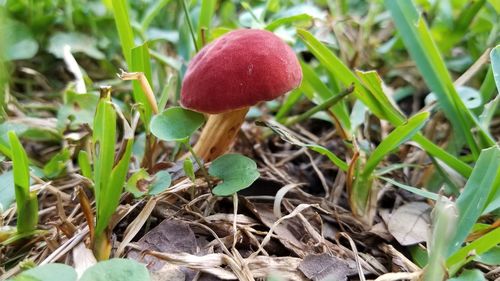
column 219, row 133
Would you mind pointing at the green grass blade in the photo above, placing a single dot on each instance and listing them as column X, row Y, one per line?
column 478, row 192
column 206, row 15
column 444, row 217
column 418, row 191
column 425, row 53
column 27, row 202
column 335, row 66
column 104, row 138
column 152, row 13
column 84, row 164
column 122, row 21
column 114, row 187
column 311, row 80
column 288, row 20
column 478, row 247
column 286, row 106
column 495, row 65
column 141, row 62
column 338, row 69
column 393, row 140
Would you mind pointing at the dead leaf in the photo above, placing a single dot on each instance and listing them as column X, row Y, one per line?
column 326, row 267
column 410, row 223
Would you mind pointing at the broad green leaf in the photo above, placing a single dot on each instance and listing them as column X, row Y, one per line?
column 77, row 109
column 491, row 257
column 176, row 124
column 78, row 42
column 57, row 164
column 469, row 275
column 116, row 270
column 400, row 135
column 48, row 272
column 161, row 181
column 141, row 62
column 136, row 182
column 236, row 171
column 122, row 21
column 21, row 43
column 481, row 188
column 206, row 15
column 478, row 247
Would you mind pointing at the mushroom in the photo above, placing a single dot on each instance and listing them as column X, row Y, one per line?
column 234, row 72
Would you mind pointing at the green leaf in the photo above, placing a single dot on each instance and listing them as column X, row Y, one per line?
column 141, row 62
column 417, row 191
column 288, row 20
column 78, row 42
column 116, row 270
column 152, row 13
column 478, row 247
column 481, row 188
column 7, row 190
column 400, row 135
column 335, row 66
column 424, row 51
column 110, row 198
column 284, row 135
column 57, row 164
column 122, row 21
column 322, row 93
column 444, row 218
column 176, row 124
column 48, row 272
column 189, row 168
column 206, row 15
column 84, row 163
column 135, row 180
column 495, row 65
column 161, row 181
column 236, row 171
column 470, row 274
column 104, row 138
column 27, row 203
column 20, row 43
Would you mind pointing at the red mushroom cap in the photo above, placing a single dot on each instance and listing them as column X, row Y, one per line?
column 238, row 70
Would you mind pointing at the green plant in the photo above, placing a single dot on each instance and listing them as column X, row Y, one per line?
column 111, row 270
column 26, row 200
column 109, row 169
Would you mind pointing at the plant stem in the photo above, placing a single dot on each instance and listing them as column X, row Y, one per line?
column 198, row 161
column 325, row 105
column 190, row 24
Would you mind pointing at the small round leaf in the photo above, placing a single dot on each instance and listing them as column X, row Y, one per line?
column 49, row 272
column 161, row 181
column 176, row 124
column 236, row 171
column 116, row 270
